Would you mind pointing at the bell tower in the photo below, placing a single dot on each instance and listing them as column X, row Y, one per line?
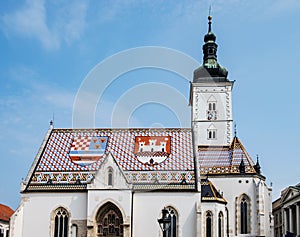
column 211, row 97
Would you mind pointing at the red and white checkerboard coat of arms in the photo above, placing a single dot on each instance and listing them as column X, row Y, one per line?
column 152, row 149
column 86, row 150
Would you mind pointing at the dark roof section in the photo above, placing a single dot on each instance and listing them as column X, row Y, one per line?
column 210, row 70
column 5, row 212
column 209, row 193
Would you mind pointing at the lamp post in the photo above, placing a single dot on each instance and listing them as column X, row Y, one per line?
column 165, row 222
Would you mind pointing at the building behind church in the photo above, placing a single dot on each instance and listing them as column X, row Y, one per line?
column 286, row 212
column 5, row 214
column 170, row 182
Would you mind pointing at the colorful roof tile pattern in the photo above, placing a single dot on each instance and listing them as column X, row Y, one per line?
column 56, row 165
column 224, row 159
column 5, row 213
column 71, row 157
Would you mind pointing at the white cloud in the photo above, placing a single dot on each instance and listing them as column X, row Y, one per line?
column 70, row 20
column 32, row 21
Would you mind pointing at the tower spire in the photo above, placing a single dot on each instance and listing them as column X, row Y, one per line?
column 209, row 19
column 210, row 67
column 257, row 165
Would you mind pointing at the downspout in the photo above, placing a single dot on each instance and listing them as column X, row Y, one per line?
column 131, row 218
column 195, row 148
column 196, row 167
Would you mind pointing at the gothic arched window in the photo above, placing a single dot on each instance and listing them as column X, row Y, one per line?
column 244, row 214
column 244, row 211
column 220, row 224
column 208, row 223
column 61, row 222
column 109, row 221
column 172, row 230
column 110, row 173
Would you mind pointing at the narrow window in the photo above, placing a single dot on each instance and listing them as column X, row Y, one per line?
column 214, row 134
column 220, row 225
column 208, row 224
column 61, row 221
column 173, row 223
column 211, row 134
column 110, row 177
column 244, row 211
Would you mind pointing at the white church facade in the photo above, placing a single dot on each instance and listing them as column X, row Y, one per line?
column 171, row 182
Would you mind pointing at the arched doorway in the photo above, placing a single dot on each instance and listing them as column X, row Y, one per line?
column 109, row 221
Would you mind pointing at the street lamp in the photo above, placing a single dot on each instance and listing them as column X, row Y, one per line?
column 165, row 222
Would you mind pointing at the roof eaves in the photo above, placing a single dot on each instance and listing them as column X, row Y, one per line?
column 57, row 187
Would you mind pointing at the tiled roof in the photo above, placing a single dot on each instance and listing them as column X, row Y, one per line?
column 58, row 161
column 224, row 159
column 209, row 192
column 147, row 157
column 5, row 212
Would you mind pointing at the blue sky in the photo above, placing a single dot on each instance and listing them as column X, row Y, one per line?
column 47, row 48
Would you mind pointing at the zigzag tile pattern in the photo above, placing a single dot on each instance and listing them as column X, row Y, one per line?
column 56, row 165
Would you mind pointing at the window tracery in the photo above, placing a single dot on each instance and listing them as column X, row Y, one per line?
column 61, row 222
column 109, row 221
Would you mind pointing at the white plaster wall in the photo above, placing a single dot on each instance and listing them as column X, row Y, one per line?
column 269, row 220
column 231, row 189
column 97, row 198
column 215, row 208
column 16, row 222
column 201, row 95
column 38, row 207
column 147, row 210
column 221, row 137
column 222, row 101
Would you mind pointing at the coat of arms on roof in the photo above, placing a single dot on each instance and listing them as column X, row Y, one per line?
column 86, row 150
column 152, row 149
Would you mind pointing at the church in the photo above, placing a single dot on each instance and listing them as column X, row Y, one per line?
column 170, row 182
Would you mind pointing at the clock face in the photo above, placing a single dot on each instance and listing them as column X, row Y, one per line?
column 211, row 115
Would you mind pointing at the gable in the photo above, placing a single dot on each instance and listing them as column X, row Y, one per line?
column 109, row 176
column 290, row 193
